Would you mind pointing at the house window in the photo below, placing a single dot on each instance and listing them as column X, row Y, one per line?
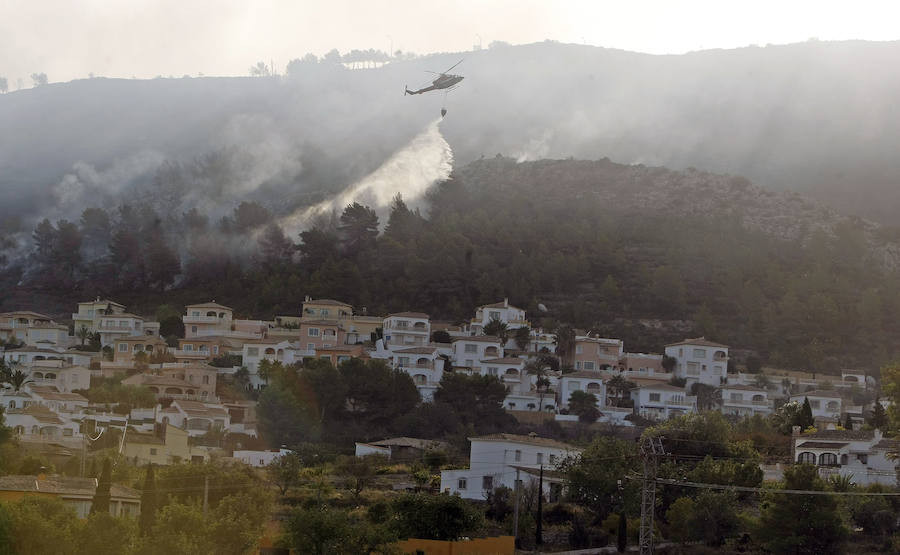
column 574, row 386
column 539, row 459
column 807, row 458
column 737, row 396
column 313, row 332
column 252, row 351
column 552, row 459
column 310, row 346
column 206, row 380
column 487, row 483
column 193, row 329
column 188, row 348
column 654, row 397
column 262, row 462
column 123, row 348
column 512, row 405
column 693, row 369
column 518, row 457
column 494, row 315
column 828, row 459
column 491, row 371
column 588, row 365
column 195, row 313
column 153, row 450
column 461, row 483
column 579, row 349
column 717, row 370
column 215, row 349
column 815, row 404
column 863, row 458
column 470, row 348
column 699, row 353
column 403, row 361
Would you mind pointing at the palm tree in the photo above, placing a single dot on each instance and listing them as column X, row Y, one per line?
column 497, row 328
column 537, row 368
column 83, row 333
column 584, row 404
column 707, row 396
column 522, row 337
column 565, row 344
column 17, row 379
column 618, row 387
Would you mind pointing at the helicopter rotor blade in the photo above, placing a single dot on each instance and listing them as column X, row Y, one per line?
column 454, row 65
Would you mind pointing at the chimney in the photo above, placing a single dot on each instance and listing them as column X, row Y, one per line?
column 795, row 433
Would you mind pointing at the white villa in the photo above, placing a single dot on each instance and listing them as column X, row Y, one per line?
column 500, row 459
column 700, row 360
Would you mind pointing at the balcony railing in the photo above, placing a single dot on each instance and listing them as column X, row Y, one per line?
column 204, row 320
column 746, row 402
column 125, row 328
column 185, row 353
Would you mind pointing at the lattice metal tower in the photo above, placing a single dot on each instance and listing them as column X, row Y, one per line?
column 651, row 450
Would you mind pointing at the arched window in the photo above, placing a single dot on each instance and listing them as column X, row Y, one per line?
column 807, row 458
column 828, row 459
column 420, row 379
column 270, row 351
column 531, row 406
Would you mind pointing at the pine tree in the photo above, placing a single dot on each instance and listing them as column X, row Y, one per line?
column 879, row 417
column 148, row 503
column 805, row 418
column 101, row 496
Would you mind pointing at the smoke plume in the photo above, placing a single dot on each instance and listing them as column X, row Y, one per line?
column 410, row 171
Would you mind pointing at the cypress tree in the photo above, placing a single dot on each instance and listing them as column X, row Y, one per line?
column 622, row 542
column 806, row 418
column 148, row 502
column 101, row 496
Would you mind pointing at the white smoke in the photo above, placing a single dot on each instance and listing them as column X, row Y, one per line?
column 86, row 186
column 536, row 149
column 410, row 171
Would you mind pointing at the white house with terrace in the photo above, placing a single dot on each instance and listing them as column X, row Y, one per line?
column 745, row 400
column 825, row 405
column 468, row 352
column 501, row 459
column 510, row 315
column 407, row 329
column 424, row 365
column 700, row 360
column 662, row 401
column 589, row 382
column 864, row 456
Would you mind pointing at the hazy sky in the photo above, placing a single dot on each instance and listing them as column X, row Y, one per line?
column 68, row 39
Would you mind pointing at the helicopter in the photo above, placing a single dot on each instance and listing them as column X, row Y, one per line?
column 444, row 81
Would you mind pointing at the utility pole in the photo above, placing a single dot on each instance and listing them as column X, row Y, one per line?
column 539, row 517
column 650, row 451
column 516, row 513
column 205, row 494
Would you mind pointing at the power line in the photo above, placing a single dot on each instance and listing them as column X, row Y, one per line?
column 668, row 482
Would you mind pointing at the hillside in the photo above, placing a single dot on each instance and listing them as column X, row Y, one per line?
column 646, row 254
column 815, row 117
